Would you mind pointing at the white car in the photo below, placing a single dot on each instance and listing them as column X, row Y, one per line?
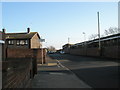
column 62, row 52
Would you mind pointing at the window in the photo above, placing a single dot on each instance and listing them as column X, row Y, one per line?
column 10, row 42
column 22, row 42
column 26, row 42
column 18, row 42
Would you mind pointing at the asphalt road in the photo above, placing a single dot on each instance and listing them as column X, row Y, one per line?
column 96, row 72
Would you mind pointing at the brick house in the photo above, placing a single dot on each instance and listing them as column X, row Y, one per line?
column 29, row 40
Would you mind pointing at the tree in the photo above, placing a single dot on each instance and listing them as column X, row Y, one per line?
column 93, row 36
column 106, row 32
column 111, row 31
column 51, row 48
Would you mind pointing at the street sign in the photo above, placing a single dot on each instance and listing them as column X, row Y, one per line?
column 42, row 40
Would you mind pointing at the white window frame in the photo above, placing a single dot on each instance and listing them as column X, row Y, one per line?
column 22, row 42
column 10, row 42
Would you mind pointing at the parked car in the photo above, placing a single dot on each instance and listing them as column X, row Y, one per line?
column 51, row 52
column 62, row 52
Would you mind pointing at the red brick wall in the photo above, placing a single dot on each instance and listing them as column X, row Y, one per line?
column 20, row 66
column 19, row 53
column 17, row 74
column 78, row 51
column 111, row 51
column 24, row 53
column 39, row 55
column 2, row 46
column 93, row 52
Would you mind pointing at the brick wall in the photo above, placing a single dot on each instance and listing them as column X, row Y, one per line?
column 41, row 53
column 78, row 51
column 19, row 53
column 2, row 46
column 109, row 52
column 92, row 52
column 20, row 67
column 24, row 53
column 17, row 73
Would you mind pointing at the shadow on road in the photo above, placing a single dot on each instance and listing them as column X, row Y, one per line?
column 100, row 77
column 96, row 72
column 77, row 58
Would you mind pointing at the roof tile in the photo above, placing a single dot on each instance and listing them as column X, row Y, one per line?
column 20, row 35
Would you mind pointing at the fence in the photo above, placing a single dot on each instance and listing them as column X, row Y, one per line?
column 23, row 53
column 17, row 73
column 109, row 51
column 20, row 67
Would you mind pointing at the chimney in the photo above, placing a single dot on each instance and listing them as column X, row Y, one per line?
column 3, row 30
column 28, row 30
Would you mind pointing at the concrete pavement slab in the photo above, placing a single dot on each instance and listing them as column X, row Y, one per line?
column 53, row 75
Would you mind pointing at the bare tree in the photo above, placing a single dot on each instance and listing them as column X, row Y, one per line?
column 112, row 30
column 93, row 36
column 51, row 48
column 106, row 32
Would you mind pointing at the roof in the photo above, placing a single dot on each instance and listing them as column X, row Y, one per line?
column 20, row 35
column 110, row 37
column 66, row 45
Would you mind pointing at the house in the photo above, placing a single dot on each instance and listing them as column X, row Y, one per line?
column 30, row 40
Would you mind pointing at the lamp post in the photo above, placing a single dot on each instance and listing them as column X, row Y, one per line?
column 99, row 30
column 85, row 42
column 68, row 40
column 84, row 38
column 42, row 40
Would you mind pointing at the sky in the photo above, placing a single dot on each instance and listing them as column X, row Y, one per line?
column 56, row 21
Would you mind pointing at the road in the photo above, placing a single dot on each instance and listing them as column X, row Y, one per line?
column 96, row 72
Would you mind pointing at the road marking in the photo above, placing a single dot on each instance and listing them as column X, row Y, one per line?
column 72, row 73
column 57, row 73
column 60, row 65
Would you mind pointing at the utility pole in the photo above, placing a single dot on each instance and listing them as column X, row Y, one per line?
column 84, row 36
column 42, row 54
column 85, row 42
column 99, row 31
column 68, row 40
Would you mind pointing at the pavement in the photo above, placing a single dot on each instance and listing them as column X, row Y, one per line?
column 54, row 75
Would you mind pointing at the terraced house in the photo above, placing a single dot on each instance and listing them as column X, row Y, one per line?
column 30, row 40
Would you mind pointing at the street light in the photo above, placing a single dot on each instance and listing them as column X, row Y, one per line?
column 99, row 30
column 85, row 42
column 84, row 37
column 68, row 40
